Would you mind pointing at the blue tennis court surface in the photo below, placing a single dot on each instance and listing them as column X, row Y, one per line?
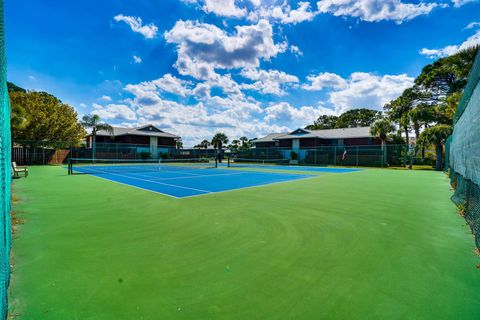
column 186, row 182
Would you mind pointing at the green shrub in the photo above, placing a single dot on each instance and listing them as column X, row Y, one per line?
column 145, row 155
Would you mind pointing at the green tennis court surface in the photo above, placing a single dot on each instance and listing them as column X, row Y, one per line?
column 377, row 244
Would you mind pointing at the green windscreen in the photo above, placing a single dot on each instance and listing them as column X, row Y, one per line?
column 464, row 152
column 5, row 174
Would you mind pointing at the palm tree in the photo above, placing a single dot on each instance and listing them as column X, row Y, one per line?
column 245, row 142
column 218, row 141
column 234, row 146
column 204, row 144
column 381, row 128
column 436, row 135
column 94, row 122
column 422, row 115
column 398, row 111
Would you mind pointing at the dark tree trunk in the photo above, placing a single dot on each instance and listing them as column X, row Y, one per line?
column 417, row 136
column 423, row 147
column 439, row 157
column 407, row 138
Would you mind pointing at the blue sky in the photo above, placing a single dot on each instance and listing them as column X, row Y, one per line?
column 242, row 67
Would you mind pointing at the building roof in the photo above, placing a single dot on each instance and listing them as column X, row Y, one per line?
column 272, row 137
column 343, row 133
column 147, row 130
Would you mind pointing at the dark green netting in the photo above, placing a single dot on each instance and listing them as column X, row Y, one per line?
column 364, row 156
column 464, row 152
column 5, row 175
column 469, row 89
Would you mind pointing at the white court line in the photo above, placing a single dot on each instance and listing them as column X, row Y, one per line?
column 155, row 172
column 152, row 181
column 197, row 176
column 157, row 169
column 133, row 186
column 256, row 186
column 163, row 169
column 223, row 191
column 312, row 176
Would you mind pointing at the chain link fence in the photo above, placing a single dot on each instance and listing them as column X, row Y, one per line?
column 464, row 152
column 5, row 176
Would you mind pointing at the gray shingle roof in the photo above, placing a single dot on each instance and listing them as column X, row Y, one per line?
column 344, row 133
column 118, row 131
column 270, row 138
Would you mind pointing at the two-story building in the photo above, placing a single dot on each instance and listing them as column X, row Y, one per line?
column 147, row 139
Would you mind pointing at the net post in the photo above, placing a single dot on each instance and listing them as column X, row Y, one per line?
column 335, row 155
column 357, row 155
column 228, row 162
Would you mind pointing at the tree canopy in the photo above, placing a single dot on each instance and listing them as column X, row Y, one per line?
column 323, row 122
column 95, row 123
column 381, row 129
column 203, row 145
column 436, row 136
column 357, row 118
column 41, row 117
column 429, row 106
column 13, row 88
column 219, row 140
column 447, row 75
column 349, row 119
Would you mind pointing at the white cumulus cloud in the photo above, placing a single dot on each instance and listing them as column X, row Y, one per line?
column 284, row 112
column 268, row 81
column 221, row 8
column 202, row 47
column 106, row 98
column 367, row 90
column 324, row 80
column 459, row 3
column 114, row 112
column 224, row 8
column 149, row 90
column 376, row 10
column 449, row 50
column 284, row 13
column 472, row 25
column 149, row 31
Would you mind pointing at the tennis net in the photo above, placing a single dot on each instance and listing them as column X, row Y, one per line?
column 116, row 166
column 245, row 162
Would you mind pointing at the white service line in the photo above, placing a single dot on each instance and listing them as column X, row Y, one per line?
column 197, row 176
column 133, row 186
column 156, row 182
column 255, row 186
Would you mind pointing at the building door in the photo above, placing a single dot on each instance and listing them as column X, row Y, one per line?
column 296, row 149
column 154, row 147
column 296, row 145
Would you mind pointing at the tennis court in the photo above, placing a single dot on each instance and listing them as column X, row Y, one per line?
column 333, row 246
column 182, row 179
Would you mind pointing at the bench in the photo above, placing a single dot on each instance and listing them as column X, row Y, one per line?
column 16, row 170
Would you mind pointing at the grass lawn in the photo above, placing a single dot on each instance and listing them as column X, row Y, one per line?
column 376, row 244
